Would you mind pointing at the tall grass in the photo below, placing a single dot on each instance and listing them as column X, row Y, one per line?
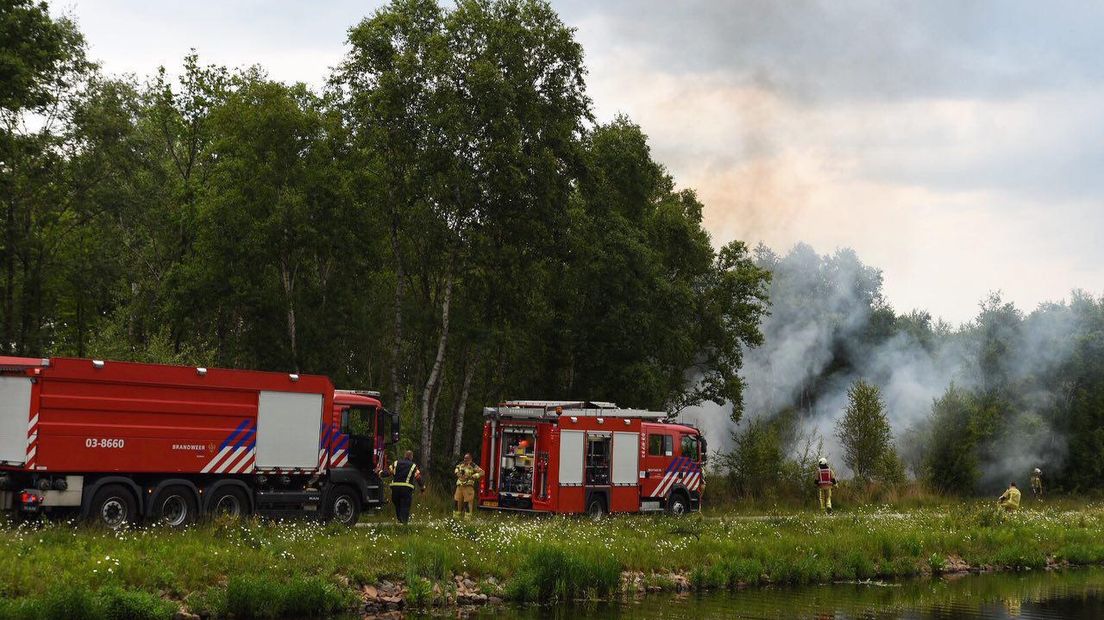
column 257, row 569
column 555, row 573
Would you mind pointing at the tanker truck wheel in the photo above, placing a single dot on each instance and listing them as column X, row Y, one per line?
column 343, row 506
column 113, row 507
column 175, row 507
column 229, row 502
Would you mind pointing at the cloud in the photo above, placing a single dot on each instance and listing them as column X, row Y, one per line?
column 982, row 177
column 955, row 145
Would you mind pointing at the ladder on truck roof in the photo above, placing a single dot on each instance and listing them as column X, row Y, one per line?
column 547, row 409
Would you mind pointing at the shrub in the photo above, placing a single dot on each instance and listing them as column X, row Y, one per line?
column 557, row 574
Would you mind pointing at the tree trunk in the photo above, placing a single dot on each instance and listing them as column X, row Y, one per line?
column 435, row 372
column 288, row 280
column 397, row 344
column 9, row 284
column 461, row 407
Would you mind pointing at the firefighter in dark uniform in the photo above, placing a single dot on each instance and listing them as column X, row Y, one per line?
column 404, row 474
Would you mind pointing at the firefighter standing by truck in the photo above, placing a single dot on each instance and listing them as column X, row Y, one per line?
column 467, row 474
column 404, row 474
column 825, row 480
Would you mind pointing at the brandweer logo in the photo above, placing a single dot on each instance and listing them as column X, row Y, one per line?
column 189, row 446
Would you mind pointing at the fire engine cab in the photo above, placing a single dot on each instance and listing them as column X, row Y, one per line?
column 593, row 457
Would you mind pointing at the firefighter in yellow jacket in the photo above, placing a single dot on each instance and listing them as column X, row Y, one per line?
column 467, row 475
column 1010, row 501
column 1037, row 483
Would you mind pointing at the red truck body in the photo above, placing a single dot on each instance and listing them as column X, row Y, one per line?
column 574, row 457
column 68, row 423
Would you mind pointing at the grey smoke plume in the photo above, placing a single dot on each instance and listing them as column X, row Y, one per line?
column 830, row 326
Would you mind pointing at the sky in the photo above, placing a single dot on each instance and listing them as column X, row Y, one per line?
column 957, row 146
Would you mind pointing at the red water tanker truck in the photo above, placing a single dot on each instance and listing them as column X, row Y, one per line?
column 573, row 457
column 121, row 442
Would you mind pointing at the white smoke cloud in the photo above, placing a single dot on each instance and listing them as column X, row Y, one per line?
column 826, row 309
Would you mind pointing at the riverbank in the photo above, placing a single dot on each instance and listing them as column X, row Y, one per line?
column 299, row 569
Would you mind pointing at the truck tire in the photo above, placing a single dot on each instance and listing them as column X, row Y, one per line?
column 343, row 506
column 113, row 507
column 679, row 504
column 175, row 507
column 229, row 502
column 596, row 507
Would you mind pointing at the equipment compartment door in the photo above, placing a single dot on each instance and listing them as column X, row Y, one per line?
column 288, row 428
column 571, row 458
column 15, row 410
column 626, row 453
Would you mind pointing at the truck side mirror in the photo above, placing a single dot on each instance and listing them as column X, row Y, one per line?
column 394, row 428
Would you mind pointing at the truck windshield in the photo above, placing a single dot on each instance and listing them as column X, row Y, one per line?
column 690, row 447
column 357, row 421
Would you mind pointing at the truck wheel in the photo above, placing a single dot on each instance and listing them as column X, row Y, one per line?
column 679, row 504
column 344, row 506
column 229, row 502
column 175, row 507
column 596, row 508
column 113, row 506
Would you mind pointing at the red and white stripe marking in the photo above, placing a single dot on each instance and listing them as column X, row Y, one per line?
column 231, row 460
column 32, row 442
column 339, row 458
column 690, row 479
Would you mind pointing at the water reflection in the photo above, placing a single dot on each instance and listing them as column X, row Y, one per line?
column 1069, row 594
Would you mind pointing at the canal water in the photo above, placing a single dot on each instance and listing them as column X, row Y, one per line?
column 1029, row 595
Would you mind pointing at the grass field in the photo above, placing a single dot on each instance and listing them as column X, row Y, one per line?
column 298, row 569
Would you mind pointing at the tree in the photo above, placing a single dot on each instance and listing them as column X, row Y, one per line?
column 952, row 459
column 864, row 431
column 469, row 120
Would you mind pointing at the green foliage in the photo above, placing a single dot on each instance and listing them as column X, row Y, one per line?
column 952, row 457
column 451, row 174
column 865, row 433
column 78, row 603
column 300, row 597
column 770, row 459
column 552, row 573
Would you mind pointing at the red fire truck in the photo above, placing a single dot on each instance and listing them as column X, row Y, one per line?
column 593, row 457
column 121, row 441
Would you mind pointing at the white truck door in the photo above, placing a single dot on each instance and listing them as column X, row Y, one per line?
column 15, row 414
column 571, row 458
column 626, row 458
column 288, row 427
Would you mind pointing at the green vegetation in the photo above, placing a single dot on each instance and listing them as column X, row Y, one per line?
column 867, row 438
column 261, row 570
column 445, row 219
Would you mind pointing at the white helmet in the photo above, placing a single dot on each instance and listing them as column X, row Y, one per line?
column 1038, row 471
column 823, row 461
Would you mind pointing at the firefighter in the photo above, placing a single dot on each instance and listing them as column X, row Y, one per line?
column 467, row 474
column 1010, row 501
column 825, row 480
column 1037, row 483
column 404, row 474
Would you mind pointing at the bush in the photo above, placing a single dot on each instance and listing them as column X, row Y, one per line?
column 558, row 574
column 80, row 603
column 251, row 597
column 120, row 604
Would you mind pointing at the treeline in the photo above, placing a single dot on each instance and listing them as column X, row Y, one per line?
column 966, row 409
column 443, row 221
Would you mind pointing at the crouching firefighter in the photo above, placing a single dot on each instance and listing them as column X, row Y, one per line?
column 1010, row 500
column 467, row 474
column 404, row 474
column 825, row 480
